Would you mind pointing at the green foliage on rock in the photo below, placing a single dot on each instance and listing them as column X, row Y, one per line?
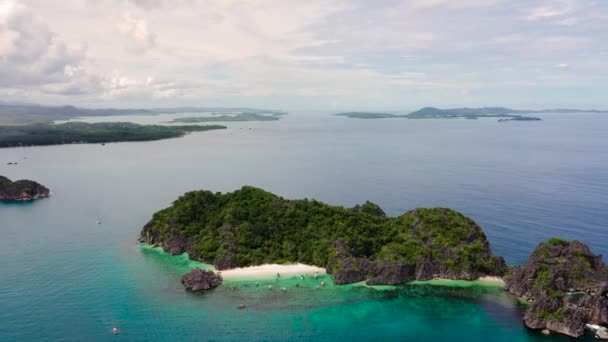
column 82, row 132
column 251, row 226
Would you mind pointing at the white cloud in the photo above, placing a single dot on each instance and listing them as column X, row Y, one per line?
column 453, row 3
column 30, row 53
column 277, row 53
column 136, row 31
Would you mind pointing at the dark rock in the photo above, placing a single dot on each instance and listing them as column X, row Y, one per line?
column 198, row 279
column 567, row 286
column 22, row 190
column 388, row 273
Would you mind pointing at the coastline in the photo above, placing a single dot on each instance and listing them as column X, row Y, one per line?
column 482, row 281
column 269, row 272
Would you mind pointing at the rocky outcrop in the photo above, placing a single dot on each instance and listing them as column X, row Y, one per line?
column 566, row 285
column 174, row 245
column 22, row 190
column 423, row 254
column 197, row 280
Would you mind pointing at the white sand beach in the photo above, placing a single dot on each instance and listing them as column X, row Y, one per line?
column 494, row 280
column 269, row 271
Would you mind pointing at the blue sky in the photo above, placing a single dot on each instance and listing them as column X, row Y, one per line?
column 316, row 54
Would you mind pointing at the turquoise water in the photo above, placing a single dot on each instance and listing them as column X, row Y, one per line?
column 64, row 277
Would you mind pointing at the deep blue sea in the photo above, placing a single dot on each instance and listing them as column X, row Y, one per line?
column 65, row 277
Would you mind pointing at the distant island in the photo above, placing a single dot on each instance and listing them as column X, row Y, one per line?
column 24, row 113
column 81, row 132
column 239, row 117
column 471, row 113
column 504, row 114
column 21, row 190
column 565, row 285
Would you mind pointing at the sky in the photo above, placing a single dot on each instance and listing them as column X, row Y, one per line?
column 310, row 55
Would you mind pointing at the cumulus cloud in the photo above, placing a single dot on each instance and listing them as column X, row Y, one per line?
column 30, row 53
column 299, row 53
column 138, row 35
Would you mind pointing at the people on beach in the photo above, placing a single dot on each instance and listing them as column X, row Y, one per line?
column 316, row 275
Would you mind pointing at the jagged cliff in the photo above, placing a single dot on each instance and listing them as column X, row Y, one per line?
column 567, row 286
column 22, row 190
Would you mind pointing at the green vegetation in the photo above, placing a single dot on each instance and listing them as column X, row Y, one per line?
column 557, row 315
column 524, row 118
column 32, row 113
column 471, row 113
column 252, row 226
column 21, row 190
column 555, row 242
column 456, row 113
column 556, row 258
column 4, row 182
column 228, row 118
column 80, row 132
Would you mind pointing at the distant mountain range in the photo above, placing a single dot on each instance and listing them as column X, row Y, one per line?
column 487, row 112
column 466, row 113
column 16, row 113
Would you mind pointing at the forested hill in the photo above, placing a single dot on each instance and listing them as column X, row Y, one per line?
column 251, row 226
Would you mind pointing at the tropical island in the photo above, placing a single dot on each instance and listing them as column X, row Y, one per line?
column 239, row 117
column 82, row 133
column 504, row 114
column 25, row 113
column 564, row 283
column 21, row 190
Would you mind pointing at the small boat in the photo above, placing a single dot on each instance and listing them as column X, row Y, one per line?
column 115, row 331
column 242, row 306
column 98, row 221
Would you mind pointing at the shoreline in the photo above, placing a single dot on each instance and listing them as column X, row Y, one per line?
column 270, row 271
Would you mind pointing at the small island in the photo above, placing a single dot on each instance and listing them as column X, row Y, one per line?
column 21, row 190
column 82, row 133
column 502, row 113
column 240, row 117
column 253, row 227
column 565, row 285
